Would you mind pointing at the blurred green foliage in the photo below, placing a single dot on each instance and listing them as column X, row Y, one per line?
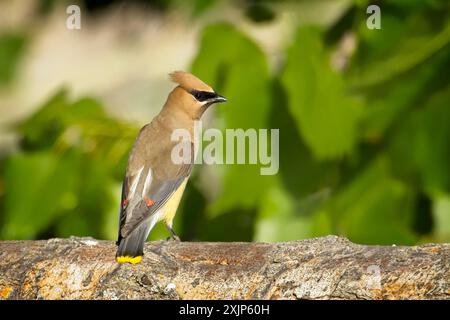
column 364, row 149
column 11, row 49
column 61, row 182
column 324, row 114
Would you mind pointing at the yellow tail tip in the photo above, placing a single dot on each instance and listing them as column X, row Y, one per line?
column 129, row 259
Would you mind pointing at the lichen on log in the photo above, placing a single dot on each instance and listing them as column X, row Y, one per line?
column 320, row 268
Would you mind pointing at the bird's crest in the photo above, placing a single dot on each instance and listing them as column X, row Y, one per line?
column 189, row 82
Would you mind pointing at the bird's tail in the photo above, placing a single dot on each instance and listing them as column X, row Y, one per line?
column 131, row 248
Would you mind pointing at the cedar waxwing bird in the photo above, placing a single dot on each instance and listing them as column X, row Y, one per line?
column 153, row 183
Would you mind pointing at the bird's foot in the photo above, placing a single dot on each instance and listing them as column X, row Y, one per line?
column 173, row 238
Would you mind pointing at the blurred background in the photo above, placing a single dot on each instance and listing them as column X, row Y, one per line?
column 364, row 115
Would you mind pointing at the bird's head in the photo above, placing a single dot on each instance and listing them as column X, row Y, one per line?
column 192, row 95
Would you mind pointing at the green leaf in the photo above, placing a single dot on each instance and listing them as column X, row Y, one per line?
column 94, row 200
column 80, row 151
column 441, row 214
column 249, row 95
column 325, row 115
column 11, row 50
column 39, row 187
column 374, row 208
column 200, row 6
column 420, row 148
column 398, row 47
column 300, row 172
column 387, row 104
column 41, row 129
column 278, row 219
column 240, row 73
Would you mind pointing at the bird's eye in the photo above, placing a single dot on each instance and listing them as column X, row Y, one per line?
column 198, row 95
column 203, row 95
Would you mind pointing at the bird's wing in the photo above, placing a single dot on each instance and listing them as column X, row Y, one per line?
column 154, row 191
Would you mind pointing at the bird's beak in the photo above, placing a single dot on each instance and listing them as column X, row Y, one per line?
column 218, row 98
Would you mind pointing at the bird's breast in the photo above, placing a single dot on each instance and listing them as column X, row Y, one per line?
column 170, row 208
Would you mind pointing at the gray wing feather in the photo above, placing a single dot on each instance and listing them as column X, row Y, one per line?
column 160, row 192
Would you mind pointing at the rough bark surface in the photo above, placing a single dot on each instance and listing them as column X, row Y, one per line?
column 319, row 268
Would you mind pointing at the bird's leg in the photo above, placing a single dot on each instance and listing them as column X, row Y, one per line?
column 174, row 236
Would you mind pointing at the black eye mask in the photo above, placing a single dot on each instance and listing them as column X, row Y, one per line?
column 203, row 95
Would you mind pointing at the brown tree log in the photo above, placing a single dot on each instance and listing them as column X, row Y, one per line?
column 319, row 268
